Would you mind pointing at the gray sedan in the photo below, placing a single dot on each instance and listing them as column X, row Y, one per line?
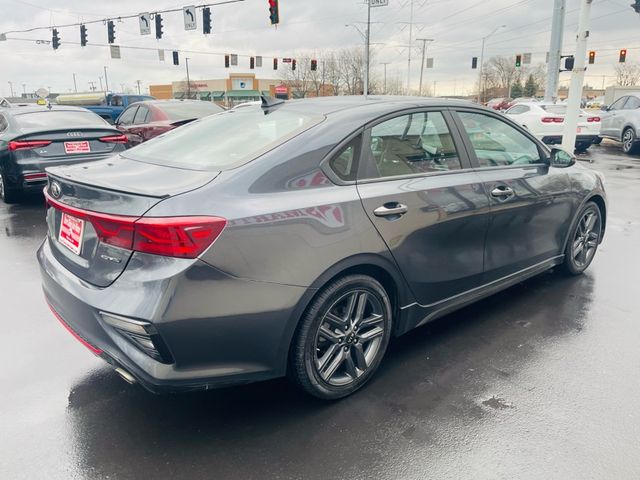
column 299, row 237
column 621, row 122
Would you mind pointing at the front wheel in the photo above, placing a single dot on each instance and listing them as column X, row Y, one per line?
column 629, row 141
column 584, row 240
column 342, row 337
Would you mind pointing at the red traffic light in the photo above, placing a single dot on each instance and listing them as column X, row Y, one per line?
column 314, row 65
column 274, row 12
column 623, row 55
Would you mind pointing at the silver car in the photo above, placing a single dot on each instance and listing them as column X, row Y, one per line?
column 621, row 122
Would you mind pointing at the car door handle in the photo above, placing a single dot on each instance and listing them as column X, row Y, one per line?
column 389, row 209
column 502, row 191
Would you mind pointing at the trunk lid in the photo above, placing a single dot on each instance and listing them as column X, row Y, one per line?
column 87, row 199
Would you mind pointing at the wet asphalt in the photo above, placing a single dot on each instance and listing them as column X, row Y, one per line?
column 539, row 381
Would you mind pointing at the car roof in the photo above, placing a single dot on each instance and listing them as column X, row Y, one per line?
column 169, row 101
column 43, row 108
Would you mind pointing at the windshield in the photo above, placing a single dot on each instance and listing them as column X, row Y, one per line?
column 185, row 111
column 57, row 119
column 555, row 109
column 223, row 141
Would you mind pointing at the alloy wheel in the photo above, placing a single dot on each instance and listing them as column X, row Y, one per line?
column 627, row 140
column 586, row 239
column 349, row 337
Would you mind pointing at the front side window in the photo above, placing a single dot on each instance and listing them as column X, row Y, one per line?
column 410, row 144
column 632, row 103
column 497, row 143
column 618, row 104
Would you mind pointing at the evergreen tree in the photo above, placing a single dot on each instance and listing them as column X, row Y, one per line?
column 516, row 90
column 530, row 87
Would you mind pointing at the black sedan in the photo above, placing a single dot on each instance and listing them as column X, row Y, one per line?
column 299, row 237
column 34, row 138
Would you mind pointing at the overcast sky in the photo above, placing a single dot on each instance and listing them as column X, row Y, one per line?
column 457, row 27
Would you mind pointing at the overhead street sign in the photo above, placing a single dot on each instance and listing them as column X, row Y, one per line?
column 286, row 60
column 161, row 55
column 429, row 62
column 144, row 19
column 526, row 58
column 190, row 22
column 379, row 3
column 115, row 51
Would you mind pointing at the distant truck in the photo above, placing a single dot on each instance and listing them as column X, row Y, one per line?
column 613, row 93
column 108, row 105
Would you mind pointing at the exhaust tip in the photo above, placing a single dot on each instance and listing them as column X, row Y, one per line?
column 126, row 376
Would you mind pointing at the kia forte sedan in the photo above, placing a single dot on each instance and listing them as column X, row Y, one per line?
column 298, row 237
column 34, row 137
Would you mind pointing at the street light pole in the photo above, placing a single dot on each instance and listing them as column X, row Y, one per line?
column 424, row 50
column 75, row 85
column 480, row 83
column 384, row 87
column 186, row 62
column 106, row 81
column 366, row 51
column 410, row 46
column 577, row 79
column 555, row 50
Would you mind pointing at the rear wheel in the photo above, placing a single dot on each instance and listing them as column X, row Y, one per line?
column 582, row 147
column 630, row 141
column 583, row 241
column 342, row 337
column 597, row 141
column 7, row 194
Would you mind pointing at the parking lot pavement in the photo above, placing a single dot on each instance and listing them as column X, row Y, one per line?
column 540, row 381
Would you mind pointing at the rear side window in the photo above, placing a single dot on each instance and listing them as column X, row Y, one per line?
column 632, row 103
column 410, row 144
column 56, row 118
column 126, row 118
column 142, row 115
column 224, row 141
column 518, row 109
column 496, row 143
column 3, row 123
column 345, row 163
column 555, row 109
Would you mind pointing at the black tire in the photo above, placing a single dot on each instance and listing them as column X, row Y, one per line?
column 630, row 144
column 582, row 147
column 7, row 195
column 333, row 354
column 597, row 141
column 583, row 242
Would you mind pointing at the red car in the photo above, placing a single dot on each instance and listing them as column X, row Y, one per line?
column 144, row 120
column 499, row 103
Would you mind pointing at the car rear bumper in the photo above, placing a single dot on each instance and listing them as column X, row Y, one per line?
column 557, row 139
column 219, row 330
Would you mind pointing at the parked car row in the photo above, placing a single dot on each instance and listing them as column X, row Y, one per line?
column 34, row 137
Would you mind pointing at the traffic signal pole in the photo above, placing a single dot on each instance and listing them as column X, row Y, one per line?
column 555, row 50
column 577, row 79
column 366, row 51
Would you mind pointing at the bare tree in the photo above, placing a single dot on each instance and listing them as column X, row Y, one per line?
column 627, row 74
column 500, row 72
column 298, row 80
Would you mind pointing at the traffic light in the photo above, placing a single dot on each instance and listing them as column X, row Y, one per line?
column 83, row 35
column 275, row 63
column 274, row 14
column 55, row 40
column 314, row 65
column 226, row 61
column 623, row 55
column 293, row 64
column 176, row 59
column 474, row 62
column 158, row 20
column 518, row 60
column 569, row 61
column 111, row 31
column 252, row 63
column 592, row 57
column 206, row 20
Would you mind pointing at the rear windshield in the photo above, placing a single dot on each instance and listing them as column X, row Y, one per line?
column 555, row 109
column 185, row 111
column 57, row 119
column 223, row 141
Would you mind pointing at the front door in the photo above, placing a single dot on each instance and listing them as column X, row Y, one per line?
column 531, row 203
column 427, row 204
column 611, row 120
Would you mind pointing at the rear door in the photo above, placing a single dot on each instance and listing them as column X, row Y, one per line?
column 531, row 203
column 427, row 204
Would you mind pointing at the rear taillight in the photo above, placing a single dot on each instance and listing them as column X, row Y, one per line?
column 114, row 139
column 29, row 144
column 184, row 237
column 552, row 119
column 593, row 119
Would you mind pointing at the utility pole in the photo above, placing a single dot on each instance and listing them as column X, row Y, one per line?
column 480, row 79
column 577, row 78
column 138, row 82
column 106, row 81
column 366, row 50
column 186, row 62
column 384, row 88
column 410, row 46
column 100, row 80
column 11, row 88
column 555, row 50
column 424, row 50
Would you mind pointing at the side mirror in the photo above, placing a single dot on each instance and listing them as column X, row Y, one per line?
column 604, row 108
column 561, row 158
